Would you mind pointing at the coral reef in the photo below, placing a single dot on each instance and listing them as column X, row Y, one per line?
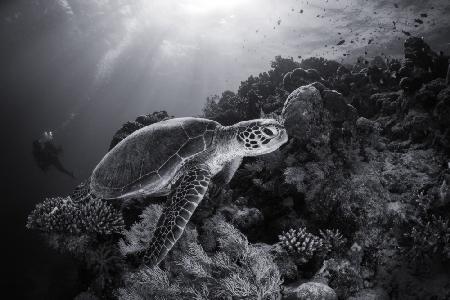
column 140, row 233
column 301, row 244
column 366, row 171
column 62, row 215
column 237, row 270
column 342, row 276
column 312, row 291
column 429, row 235
column 141, row 121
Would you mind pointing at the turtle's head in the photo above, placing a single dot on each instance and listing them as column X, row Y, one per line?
column 261, row 136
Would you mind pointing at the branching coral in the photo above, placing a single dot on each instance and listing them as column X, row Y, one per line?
column 62, row 215
column 300, row 243
column 333, row 241
column 100, row 217
column 84, row 230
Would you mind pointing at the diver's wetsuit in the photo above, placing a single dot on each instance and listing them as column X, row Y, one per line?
column 46, row 155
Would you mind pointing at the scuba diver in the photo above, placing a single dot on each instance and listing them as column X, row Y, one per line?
column 47, row 154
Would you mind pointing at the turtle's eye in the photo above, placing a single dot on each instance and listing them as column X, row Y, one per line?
column 270, row 131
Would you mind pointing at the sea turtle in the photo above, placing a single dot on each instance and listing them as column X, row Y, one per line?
column 178, row 157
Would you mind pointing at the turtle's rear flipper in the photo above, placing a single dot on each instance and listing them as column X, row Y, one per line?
column 82, row 192
column 178, row 210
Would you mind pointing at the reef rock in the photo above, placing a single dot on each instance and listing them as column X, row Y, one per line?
column 418, row 52
column 305, row 117
column 343, row 276
column 141, row 121
column 312, row 111
column 299, row 77
column 442, row 109
column 286, row 264
column 371, row 294
column 448, row 75
column 421, row 64
column 247, row 218
column 312, row 291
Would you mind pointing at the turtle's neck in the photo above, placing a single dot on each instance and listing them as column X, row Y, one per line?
column 227, row 147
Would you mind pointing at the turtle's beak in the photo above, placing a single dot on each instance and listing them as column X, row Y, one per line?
column 281, row 139
column 283, row 136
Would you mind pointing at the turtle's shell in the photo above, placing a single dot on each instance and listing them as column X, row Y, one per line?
column 146, row 161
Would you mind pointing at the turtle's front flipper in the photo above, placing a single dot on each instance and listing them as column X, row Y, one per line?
column 179, row 208
column 224, row 177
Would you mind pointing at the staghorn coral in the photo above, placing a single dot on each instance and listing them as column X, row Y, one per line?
column 100, row 217
column 62, row 215
column 300, row 243
column 54, row 215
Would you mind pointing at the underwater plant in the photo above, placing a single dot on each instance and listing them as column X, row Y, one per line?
column 428, row 239
column 140, row 233
column 301, row 244
column 237, row 270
